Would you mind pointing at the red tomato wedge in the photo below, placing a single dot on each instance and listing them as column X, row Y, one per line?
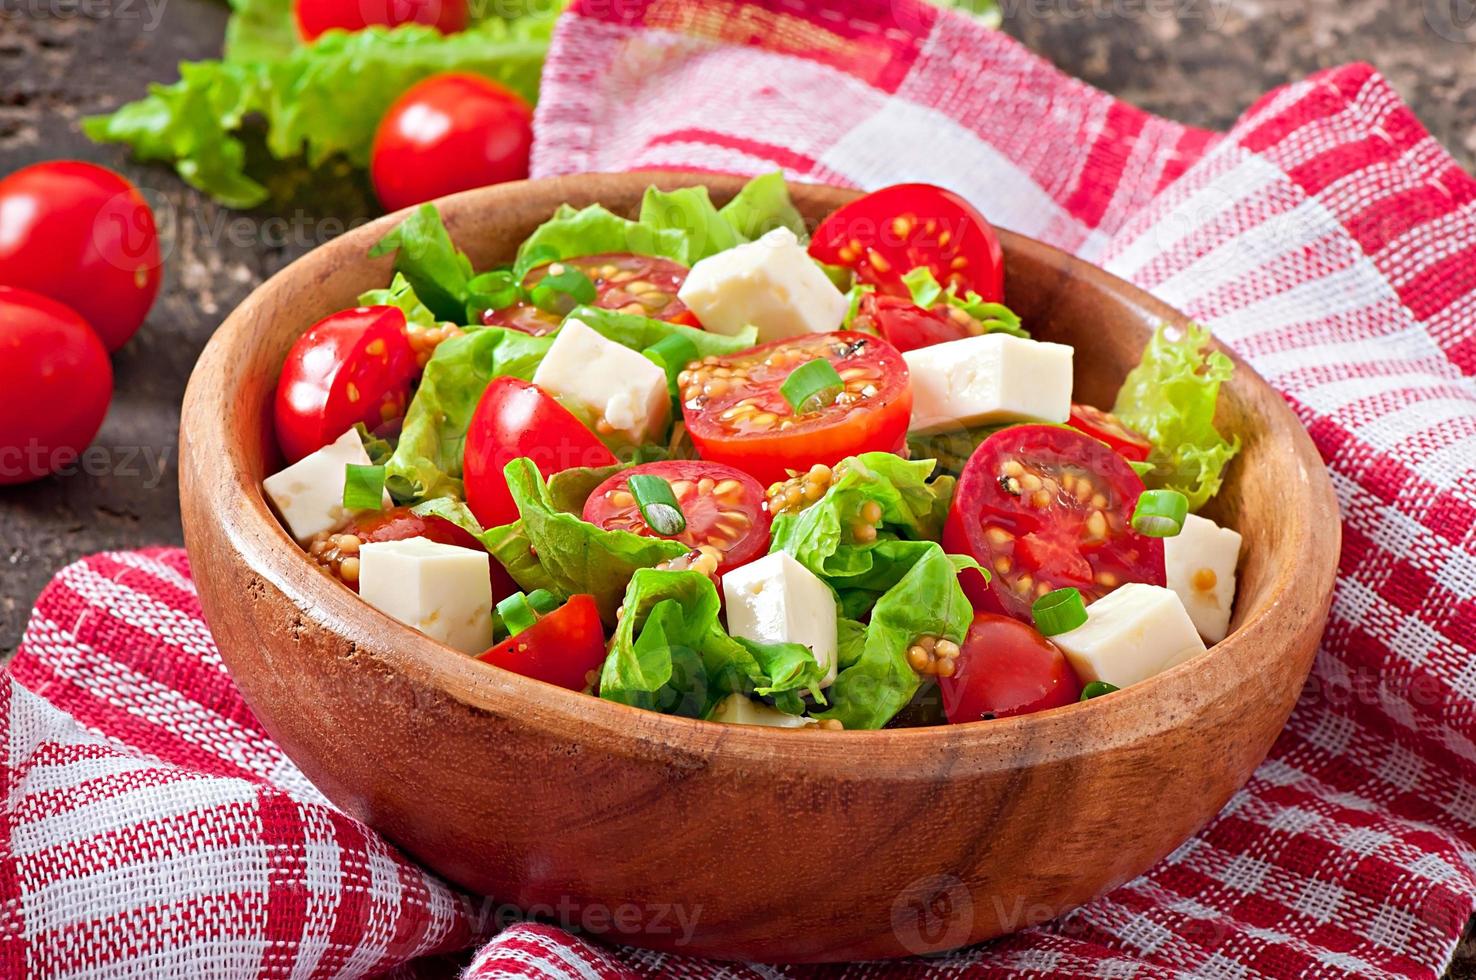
column 515, row 418
column 736, row 414
column 1005, row 667
column 353, row 366
column 640, row 284
column 907, row 326
column 399, row 524
column 724, row 508
column 562, row 648
column 889, row 232
column 1107, row 427
column 1043, row 507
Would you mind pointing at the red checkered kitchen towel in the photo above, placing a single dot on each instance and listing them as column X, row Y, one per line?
column 151, row 827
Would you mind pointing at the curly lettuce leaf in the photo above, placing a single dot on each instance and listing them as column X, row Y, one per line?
column 992, row 317
column 671, row 654
column 594, row 230
column 761, row 206
column 1170, row 398
column 400, row 293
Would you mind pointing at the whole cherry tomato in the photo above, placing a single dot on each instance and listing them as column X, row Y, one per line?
column 350, row 367
column 84, row 236
column 316, row 16
column 562, row 647
column 55, row 384
column 1005, row 667
column 446, row 134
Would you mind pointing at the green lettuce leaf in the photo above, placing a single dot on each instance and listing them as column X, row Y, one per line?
column 1170, row 398
column 993, row 317
column 761, row 206
column 690, row 211
column 430, row 262
column 400, row 293
column 550, row 548
column 639, row 332
column 594, row 230
column 671, row 654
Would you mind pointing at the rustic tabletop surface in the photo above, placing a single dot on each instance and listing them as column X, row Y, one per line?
column 1199, row 61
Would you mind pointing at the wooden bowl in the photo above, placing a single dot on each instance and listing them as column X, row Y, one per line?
column 726, row 841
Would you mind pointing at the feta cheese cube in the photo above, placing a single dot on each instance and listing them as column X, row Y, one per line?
column 993, row 378
column 309, row 494
column 440, row 589
column 771, row 284
column 1130, row 635
column 736, row 709
column 778, row 600
column 1200, row 561
column 595, row 376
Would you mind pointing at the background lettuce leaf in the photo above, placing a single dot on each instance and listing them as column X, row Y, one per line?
column 1170, row 398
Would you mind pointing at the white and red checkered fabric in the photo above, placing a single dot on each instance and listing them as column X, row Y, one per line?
column 150, row 827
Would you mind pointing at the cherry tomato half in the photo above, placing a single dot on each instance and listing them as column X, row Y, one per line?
column 889, row 232
column 641, row 284
column 1043, row 507
column 397, row 524
column 907, row 326
column 1005, row 667
column 55, row 385
column 736, row 414
column 561, row 648
column 515, row 418
column 449, row 133
column 724, row 508
column 316, row 16
column 350, row 367
column 84, row 236
column 1107, row 427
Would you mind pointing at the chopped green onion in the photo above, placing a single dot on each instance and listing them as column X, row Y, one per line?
column 657, row 503
column 1160, row 513
column 564, row 288
column 516, row 613
column 672, row 354
column 1059, row 612
column 543, row 601
column 812, row 386
column 363, row 487
column 493, row 290
column 1096, row 689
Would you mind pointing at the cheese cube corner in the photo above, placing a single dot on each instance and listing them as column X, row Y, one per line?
column 597, row 377
column 1131, row 634
column 1200, row 561
column 771, row 284
column 440, row 589
column 993, row 378
column 308, row 495
column 778, row 600
column 738, row 709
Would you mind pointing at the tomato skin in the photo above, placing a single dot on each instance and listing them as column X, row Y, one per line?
column 84, row 236
column 905, row 325
column 661, row 278
column 449, row 133
column 55, row 385
column 1126, row 442
column 516, row 418
column 351, row 366
column 886, row 234
column 741, row 507
column 560, row 648
column 1047, row 546
column 1006, row 668
column 313, row 17
column 878, row 422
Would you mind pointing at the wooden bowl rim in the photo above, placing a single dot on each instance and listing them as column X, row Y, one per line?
column 439, row 671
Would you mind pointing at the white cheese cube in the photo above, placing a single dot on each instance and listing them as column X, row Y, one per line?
column 778, row 600
column 440, row 589
column 1200, row 561
column 597, row 377
column 309, row 494
column 736, row 709
column 771, row 284
column 993, row 378
column 1130, row 635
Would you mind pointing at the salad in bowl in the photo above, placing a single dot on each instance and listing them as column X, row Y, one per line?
column 703, row 462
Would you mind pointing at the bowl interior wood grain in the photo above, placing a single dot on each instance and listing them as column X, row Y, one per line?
column 722, row 840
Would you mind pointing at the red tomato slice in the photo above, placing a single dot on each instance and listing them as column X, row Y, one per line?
column 907, row 326
column 1043, row 507
column 316, row 16
column 1006, row 668
column 561, row 648
column 736, row 414
column 1107, row 427
column 640, row 284
column 888, row 233
column 515, row 418
column 353, row 366
column 724, row 508
column 396, row 524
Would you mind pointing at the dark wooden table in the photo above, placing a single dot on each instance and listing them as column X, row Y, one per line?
column 1200, row 61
